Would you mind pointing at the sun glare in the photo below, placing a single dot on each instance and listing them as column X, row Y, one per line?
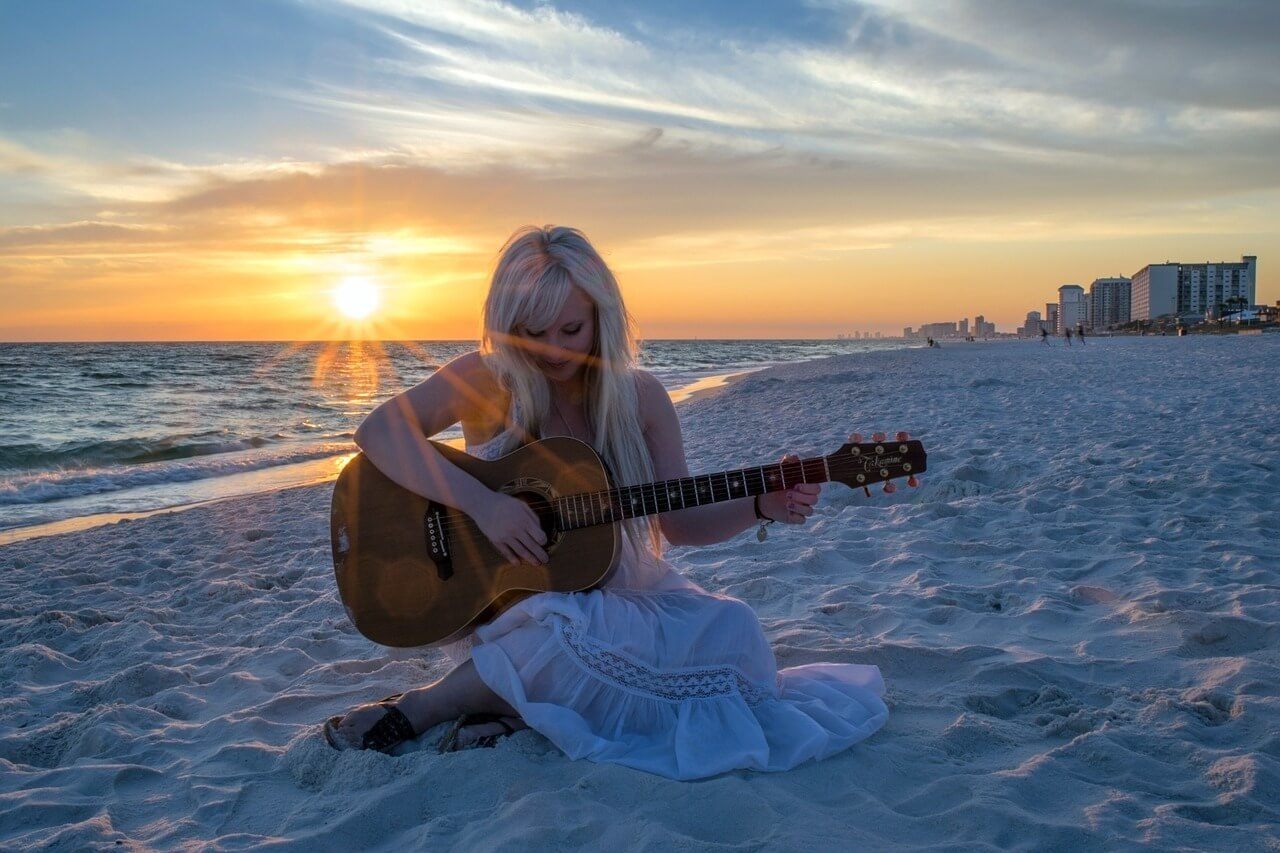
column 356, row 298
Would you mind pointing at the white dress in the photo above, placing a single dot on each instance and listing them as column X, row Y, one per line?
column 654, row 672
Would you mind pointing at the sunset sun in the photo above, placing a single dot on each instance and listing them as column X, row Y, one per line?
column 356, row 298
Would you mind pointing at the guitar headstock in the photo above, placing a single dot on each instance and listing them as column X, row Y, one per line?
column 858, row 464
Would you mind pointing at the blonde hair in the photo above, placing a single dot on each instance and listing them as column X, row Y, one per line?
column 535, row 274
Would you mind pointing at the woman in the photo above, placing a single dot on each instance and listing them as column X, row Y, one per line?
column 651, row 671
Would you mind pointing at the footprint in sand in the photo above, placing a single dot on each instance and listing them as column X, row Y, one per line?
column 1092, row 595
column 1228, row 636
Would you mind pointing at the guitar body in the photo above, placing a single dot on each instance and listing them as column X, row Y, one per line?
column 414, row 572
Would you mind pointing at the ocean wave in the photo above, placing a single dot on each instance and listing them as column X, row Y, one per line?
column 126, row 451
column 46, row 486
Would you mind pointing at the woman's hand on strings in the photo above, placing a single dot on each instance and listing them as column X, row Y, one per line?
column 513, row 528
column 792, row 505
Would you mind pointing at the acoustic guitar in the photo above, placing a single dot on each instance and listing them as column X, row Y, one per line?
column 413, row 572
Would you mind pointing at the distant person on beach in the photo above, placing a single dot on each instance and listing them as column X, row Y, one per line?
column 1044, row 336
column 1066, row 333
column 1080, row 333
column 650, row 671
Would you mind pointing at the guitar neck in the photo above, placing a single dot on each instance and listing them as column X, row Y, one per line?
column 588, row 509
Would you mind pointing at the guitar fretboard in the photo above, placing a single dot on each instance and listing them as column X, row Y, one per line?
column 587, row 509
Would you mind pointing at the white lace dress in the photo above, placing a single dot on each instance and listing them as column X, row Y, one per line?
column 654, row 672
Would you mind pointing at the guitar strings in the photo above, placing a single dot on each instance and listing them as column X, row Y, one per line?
column 652, row 495
column 842, row 465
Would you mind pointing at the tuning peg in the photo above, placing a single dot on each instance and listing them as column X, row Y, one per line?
column 902, row 436
column 855, row 438
column 912, row 481
column 879, row 436
column 867, row 489
column 890, row 488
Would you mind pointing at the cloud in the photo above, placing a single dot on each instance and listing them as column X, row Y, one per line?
column 915, row 123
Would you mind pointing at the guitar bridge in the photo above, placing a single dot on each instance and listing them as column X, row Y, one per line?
column 436, row 537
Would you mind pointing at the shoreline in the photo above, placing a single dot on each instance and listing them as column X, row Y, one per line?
column 295, row 475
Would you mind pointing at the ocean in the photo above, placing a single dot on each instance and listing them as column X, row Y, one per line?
column 101, row 429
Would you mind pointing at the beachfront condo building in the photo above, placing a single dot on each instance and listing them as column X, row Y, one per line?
column 1031, row 329
column 1193, row 291
column 1051, row 317
column 1072, row 307
column 1109, row 302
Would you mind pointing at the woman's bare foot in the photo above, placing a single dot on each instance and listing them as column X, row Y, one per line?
column 414, row 704
column 468, row 735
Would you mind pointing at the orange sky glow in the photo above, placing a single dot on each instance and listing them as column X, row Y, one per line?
column 865, row 183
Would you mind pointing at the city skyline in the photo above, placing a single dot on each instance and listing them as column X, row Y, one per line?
column 221, row 171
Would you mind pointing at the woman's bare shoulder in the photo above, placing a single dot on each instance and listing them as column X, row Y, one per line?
column 482, row 398
column 651, row 396
column 471, row 368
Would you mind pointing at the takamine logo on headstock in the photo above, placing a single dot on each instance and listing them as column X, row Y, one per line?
column 858, row 464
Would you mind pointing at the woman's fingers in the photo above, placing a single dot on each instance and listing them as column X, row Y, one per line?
column 535, row 526
column 532, row 546
column 523, row 551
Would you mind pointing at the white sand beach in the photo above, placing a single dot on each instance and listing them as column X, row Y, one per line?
column 1077, row 616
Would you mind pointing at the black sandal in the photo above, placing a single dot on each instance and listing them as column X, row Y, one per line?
column 449, row 743
column 385, row 735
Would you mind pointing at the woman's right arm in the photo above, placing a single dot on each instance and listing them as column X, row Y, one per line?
column 394, row 437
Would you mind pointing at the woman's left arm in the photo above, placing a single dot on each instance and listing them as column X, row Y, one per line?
column 705, row 525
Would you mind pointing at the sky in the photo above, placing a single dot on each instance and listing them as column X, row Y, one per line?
column 179, row 170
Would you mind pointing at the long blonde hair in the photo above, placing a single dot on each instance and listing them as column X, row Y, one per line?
column 535, row 274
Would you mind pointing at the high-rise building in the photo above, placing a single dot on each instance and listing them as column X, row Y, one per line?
column 964, row 328
column 1051, row 317
column 1202, row 288
column 938, row 330
column 1033, row 325
column 1071, row 307
column 1109, row 302
column 1154, row 291
column 1192, row 290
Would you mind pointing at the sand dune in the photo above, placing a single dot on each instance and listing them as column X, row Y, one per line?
column 1077, row 617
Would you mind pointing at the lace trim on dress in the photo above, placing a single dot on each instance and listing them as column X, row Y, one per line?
column 621, row 671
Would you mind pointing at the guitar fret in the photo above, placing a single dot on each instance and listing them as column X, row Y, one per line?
column 672, row 492
column 737, row 489
column 623, row 502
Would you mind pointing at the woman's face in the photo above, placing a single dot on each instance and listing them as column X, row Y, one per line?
column 561, row 350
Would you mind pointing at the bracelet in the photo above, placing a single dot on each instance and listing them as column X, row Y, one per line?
column 762, row 518
column 760, row 515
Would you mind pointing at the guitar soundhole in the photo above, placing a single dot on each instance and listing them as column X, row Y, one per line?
column 545, row 512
